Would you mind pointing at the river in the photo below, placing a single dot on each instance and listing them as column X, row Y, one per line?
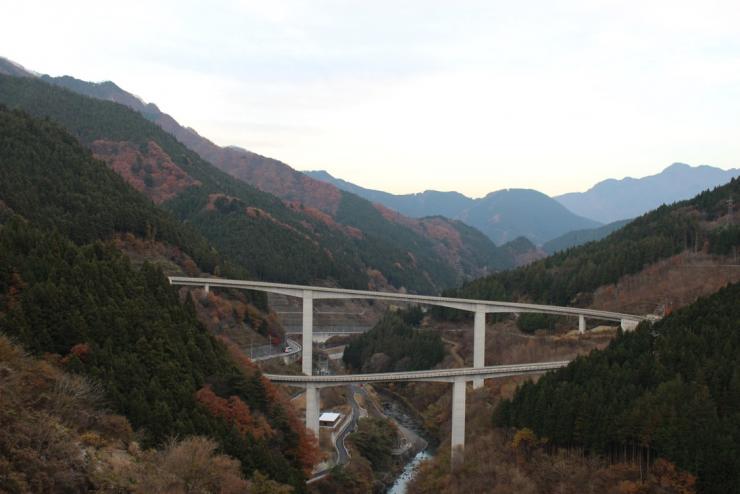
column 412, row 427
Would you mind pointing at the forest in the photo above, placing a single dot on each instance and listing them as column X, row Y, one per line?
column 284, row 245
column 566, row 277
column 393, row 345
column 669, row 390
column 68, row 294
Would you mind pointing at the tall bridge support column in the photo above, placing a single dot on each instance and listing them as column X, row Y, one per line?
column 312, row 409
column 457, row 442
column 307, row 333
column 581, row 324
column 479, row 343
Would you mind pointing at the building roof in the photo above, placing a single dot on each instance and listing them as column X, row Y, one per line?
column 329, row 417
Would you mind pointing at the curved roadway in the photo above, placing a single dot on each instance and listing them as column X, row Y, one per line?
column 319, row 293
column 441, row 375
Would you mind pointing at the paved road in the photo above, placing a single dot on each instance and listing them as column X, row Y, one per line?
column 266, row 352
column 342, row 453
column 326, row 293
column 439, row 375
column 338, row 330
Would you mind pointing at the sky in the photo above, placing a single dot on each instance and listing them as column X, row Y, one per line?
column 405, row 96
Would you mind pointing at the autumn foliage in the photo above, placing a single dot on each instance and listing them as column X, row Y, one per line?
column 306, row 451
column 235, row 412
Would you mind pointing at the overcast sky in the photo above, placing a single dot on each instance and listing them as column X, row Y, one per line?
column 412, row 95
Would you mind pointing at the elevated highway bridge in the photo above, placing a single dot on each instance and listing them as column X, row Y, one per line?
column 458, row 377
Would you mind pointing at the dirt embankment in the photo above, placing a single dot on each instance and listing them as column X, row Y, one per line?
column 671, row 283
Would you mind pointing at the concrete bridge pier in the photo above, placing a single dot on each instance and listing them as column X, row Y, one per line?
column 312, row 409
column 479, row 342
column 307, row 332
column 581, row 324
column 457, row 443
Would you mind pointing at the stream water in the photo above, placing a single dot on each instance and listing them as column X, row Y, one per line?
column 409, row 471
column 424, row 451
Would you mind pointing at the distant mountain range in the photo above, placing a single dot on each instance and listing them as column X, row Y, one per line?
column 613, row 200
column 506, row 214
column 336, row 236
column 503, row 215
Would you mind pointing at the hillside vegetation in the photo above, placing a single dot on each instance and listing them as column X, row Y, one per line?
column 121, row 326
column 569, row 277
column 393, row 345
column 46, row 176
column 670, row 390
column 580, row 237
column 59, row 437
column 354, row 246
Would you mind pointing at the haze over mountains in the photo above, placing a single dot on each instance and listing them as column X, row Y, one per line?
column 613, row 200
column 347, row 237
column 509, row 213
column 503, row 215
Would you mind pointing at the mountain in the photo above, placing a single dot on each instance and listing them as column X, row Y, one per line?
column 427, row 203
column 502, row 215
column 580, row 237
column 278, row 178
column 67, row 292
column 8, row 67
column 702, row 226
column 361, row 245
column 506, row 214
column 613, row 200
column 671, row 390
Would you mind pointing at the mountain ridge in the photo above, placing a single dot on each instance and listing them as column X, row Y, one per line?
column 405, row 256
column 503, row 215
column 618, row 199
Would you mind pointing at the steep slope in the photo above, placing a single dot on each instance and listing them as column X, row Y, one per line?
column 613, row 200
column 285, row 242
column 277, row 178
column 671, row 389
column 580, row 237
column 503, row 215
column 125, row 327
column 8, row 67
column 701, row 224
column 296, row 243
column 43, row 178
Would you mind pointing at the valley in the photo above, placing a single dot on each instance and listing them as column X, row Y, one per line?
column 175, row 315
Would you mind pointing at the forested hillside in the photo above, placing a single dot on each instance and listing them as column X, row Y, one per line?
column 280, row 245
column 59, row 436
column 67, row 292
column 668, row 390
column 46, row 176
column 288, row 242
column 580, row 237
column 465, row 248
column 568, row 277
column 393, row 345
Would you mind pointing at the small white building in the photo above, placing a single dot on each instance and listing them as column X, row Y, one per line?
column 329, row 419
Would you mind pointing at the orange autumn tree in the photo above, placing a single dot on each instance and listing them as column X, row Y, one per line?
column 307, row 449
column 235, row 412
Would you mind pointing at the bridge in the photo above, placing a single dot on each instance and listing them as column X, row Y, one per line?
column 459, row 377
